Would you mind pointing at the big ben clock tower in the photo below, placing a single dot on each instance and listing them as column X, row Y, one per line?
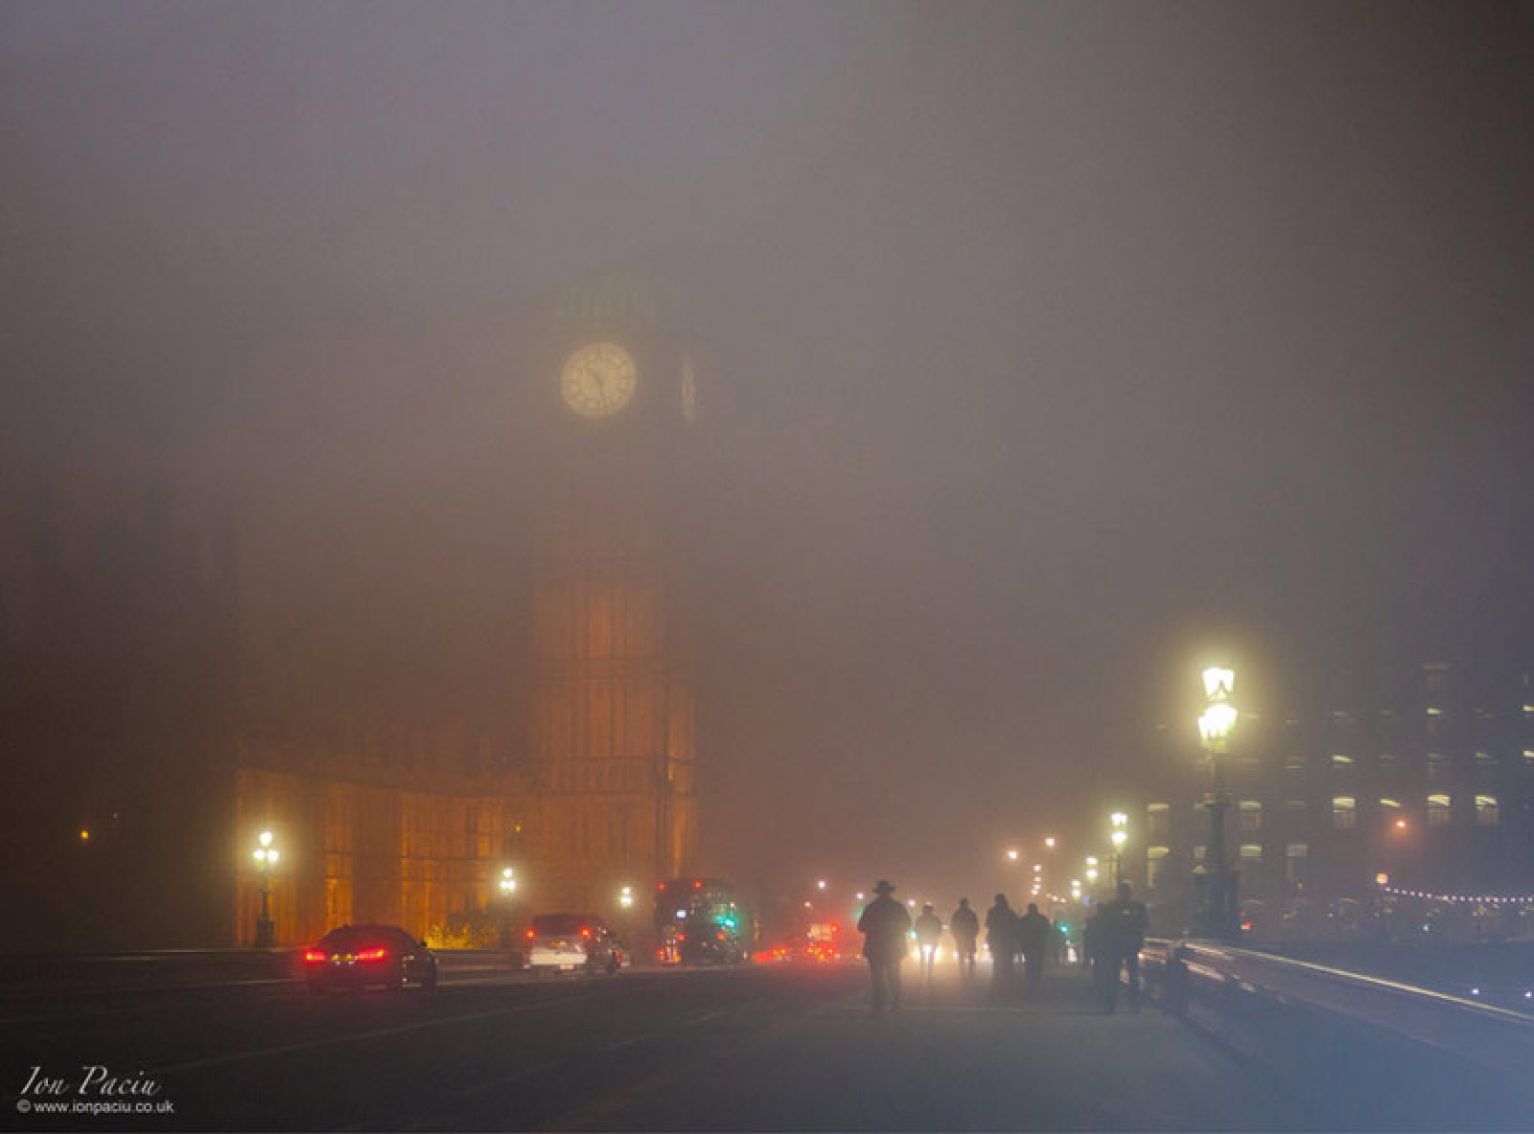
column 613, row 704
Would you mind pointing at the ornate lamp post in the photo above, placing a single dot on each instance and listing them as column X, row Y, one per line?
column 1216, row 725
column 1118, row 836
column 266, row 857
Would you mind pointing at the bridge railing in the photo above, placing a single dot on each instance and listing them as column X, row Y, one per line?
column 1402, row 1054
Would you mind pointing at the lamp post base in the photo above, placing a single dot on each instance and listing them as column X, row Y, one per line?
column 266, row 933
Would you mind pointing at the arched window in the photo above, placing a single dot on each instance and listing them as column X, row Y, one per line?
column 1296, row 856
column 1437, row 811
column 1486, row 811
column 1344, row 812
column 1251, row 816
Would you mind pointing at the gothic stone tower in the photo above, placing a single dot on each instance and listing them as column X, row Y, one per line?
column 613, row 705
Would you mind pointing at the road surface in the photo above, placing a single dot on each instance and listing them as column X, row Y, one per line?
column 757, row 1048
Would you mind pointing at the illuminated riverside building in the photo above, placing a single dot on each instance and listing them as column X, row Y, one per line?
column 1346, row 811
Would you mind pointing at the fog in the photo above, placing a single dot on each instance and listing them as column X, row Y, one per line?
column 1041, row 347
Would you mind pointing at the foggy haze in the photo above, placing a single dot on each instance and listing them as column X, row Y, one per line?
column 1042, row 350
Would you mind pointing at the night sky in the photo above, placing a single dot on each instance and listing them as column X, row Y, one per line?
column 1045, row 350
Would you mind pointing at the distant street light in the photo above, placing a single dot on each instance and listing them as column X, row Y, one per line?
column 820, row 885
column 266, row 857
column 507, row 884
column 1118, row 836
column 626, row 898
column 1216, row 725
column 1049, row 841
column 1012, row 855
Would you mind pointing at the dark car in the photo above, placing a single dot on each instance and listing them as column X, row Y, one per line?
column 358, row 955
column 573, row 942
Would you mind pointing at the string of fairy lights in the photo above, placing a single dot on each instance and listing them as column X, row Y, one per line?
column 1461, row 899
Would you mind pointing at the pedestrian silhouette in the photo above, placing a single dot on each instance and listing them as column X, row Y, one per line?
column 1033, row 931
column 884, row 926
column 1001, row 939
column 1125, row 922
column 965, row 927
column 929, row 927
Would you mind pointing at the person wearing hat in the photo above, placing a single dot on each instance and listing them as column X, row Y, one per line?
column 884, row 926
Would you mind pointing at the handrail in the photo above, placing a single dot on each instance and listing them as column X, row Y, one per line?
column 1181, row 972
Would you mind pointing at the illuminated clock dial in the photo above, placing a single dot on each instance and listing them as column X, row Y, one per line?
column 599, row 379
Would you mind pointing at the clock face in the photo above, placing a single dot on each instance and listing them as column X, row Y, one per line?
column 599, row 379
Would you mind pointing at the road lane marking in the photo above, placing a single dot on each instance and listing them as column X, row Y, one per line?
column 633, row 1041
column 354, row 1037
column 510, row 1080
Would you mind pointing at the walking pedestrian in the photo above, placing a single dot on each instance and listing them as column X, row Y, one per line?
column 1033, row 932
column 1125, row 923
column 884, row 926
column 965, row 927
column 929, row 927
column 1001, row 939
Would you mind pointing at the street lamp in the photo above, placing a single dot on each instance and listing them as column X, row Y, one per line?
column 507, row 884
column 1216, row 725
column 626, row 898
column 1118, row 836
column 266, row 857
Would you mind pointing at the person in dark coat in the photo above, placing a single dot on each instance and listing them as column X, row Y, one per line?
column 1033, row 931
column 965, row 927
column 1001, row 939
column 1125, row 922
column 885, row 925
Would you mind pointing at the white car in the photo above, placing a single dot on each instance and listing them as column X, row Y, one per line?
column 573, row 942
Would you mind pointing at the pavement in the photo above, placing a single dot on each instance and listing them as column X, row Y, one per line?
column 782, row 1047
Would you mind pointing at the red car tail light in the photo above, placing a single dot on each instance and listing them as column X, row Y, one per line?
column 530, row 935
column 585, row 931
column 314, row 956
column 372, row 954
